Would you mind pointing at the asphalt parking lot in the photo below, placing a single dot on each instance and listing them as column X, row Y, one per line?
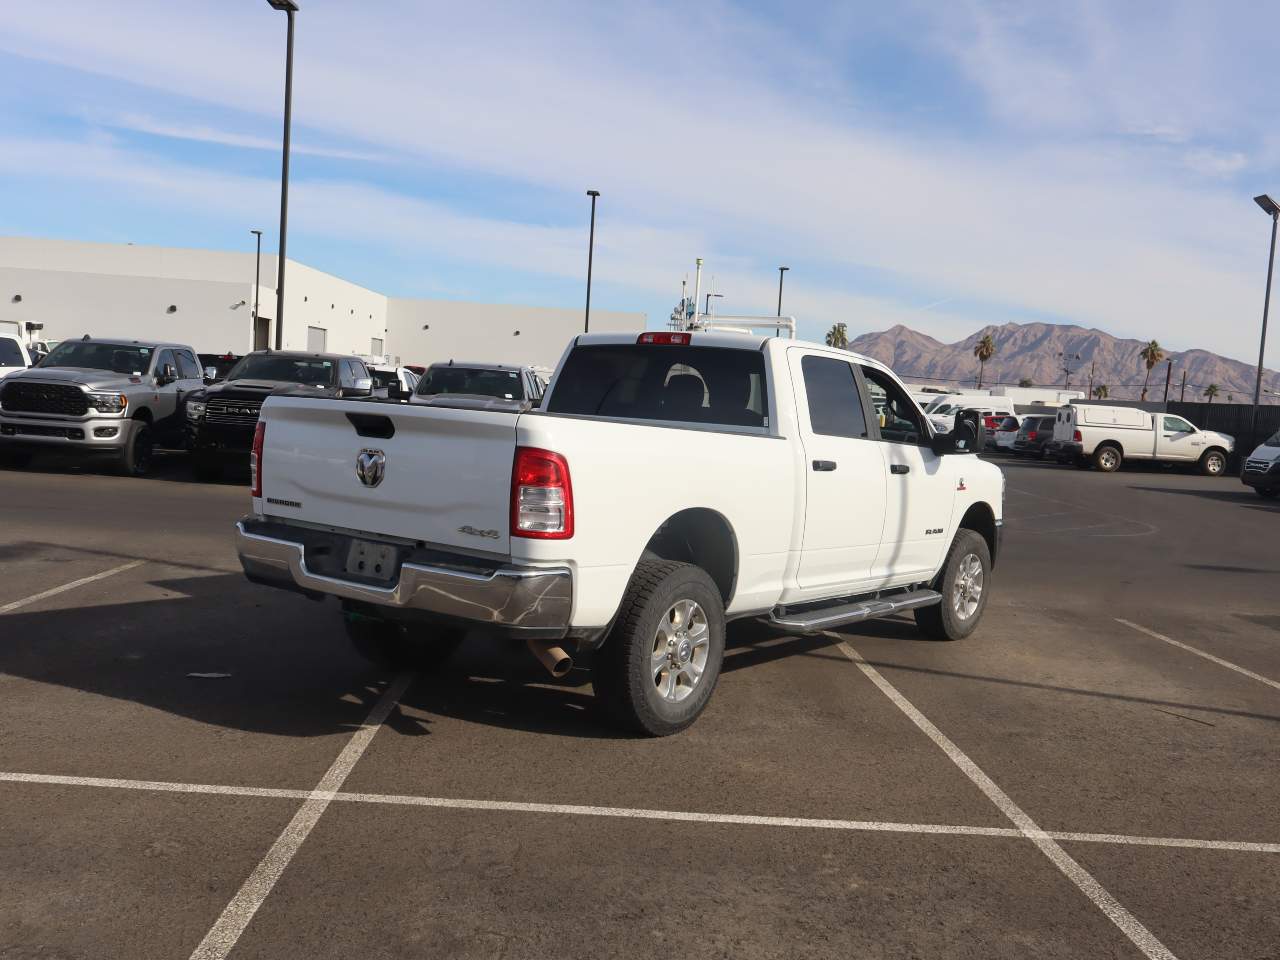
column 1093, row 774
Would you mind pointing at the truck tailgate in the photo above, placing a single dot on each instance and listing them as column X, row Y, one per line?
column 446, row 478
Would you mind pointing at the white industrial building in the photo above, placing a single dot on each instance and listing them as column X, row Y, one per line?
column 206, row 298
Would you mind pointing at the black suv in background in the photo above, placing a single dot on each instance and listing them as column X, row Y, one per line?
column 1034, row 436
column 221, row 418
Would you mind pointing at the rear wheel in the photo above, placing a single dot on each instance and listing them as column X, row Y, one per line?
column 393, row 646
column 1213, row 463
column 1107, row 458
column 139, row 448
column 660, row 664
column 964, row 584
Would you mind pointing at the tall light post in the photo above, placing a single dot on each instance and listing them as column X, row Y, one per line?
column 289, row 7
column 718, row 296
column 591, row 249
column 1272, row 209
column 257, row 281
column 1066, row 366
column 781, row 273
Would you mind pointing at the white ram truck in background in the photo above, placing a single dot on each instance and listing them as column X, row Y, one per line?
column 667, row 483
column 1105, row 436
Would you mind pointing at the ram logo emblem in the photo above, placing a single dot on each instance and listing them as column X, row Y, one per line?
column 371, row 466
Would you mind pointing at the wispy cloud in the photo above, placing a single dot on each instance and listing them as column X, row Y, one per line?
column 140, row 123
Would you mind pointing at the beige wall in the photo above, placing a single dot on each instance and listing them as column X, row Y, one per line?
column 125, row 290
column 426, row 331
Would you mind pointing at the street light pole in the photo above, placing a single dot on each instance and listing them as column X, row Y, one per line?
column 289, row 7
column 591, row 249
column 1273, row 209
column 257, row 281
column 781, row 272
column 707, row 311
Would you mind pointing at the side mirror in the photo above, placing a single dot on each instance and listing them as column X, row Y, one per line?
column 362, row 387
column 965, row 437
column 210, row 374
column 166, row 376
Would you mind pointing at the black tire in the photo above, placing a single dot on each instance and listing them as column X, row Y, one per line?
column 1267, row 494
column 206, row 467
column 138, row 450
column 622, row 672
column 1108, row 458
column 396, row 646
column 943, row 621
column 1213, row 463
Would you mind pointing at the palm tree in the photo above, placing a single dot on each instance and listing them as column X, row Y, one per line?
column 984, row 351
column 838, row 336
column 1101, row 391
column 1151, row 354
column 1211, row 391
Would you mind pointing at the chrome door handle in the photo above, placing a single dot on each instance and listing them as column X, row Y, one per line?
column 899, row 468
column 823, row 466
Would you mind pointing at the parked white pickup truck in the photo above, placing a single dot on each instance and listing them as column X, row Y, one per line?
column 1106, row 436
column 666, row 484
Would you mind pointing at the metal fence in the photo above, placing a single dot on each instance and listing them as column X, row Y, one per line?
column 1232, row 418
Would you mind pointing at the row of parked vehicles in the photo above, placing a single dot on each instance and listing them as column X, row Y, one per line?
column 121, row 400
column 1103, row 437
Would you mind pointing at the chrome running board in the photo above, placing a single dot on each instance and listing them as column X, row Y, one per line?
column 815, row 620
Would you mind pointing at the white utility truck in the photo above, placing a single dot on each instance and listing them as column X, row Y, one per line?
column 667, row 483
column 1106, row 436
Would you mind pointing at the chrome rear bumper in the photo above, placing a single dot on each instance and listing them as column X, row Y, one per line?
column 508, row 596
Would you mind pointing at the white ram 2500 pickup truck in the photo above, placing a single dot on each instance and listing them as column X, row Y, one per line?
column 667, row 483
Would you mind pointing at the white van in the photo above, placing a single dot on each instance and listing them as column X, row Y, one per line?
column 1262, row 468
column 1106, row 436
column 943, row 415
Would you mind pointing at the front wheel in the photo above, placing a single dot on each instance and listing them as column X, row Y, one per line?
column 139, row 447
column 1213, row 463
column 964, row 583
column 659, row 666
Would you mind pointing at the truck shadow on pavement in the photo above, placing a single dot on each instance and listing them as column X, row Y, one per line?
column 288, row 665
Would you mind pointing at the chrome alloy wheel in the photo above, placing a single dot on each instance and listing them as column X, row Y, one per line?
column 680, row 650
column 966, row 594
column 1107, row 459
column 1214, row 464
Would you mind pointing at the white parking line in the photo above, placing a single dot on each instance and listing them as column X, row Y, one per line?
column 223, row 935
column 637, row 813
column 54, row 591
column 1200, row 653
column 1130, row 925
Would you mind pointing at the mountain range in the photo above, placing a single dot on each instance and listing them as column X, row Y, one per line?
column 1036, row 351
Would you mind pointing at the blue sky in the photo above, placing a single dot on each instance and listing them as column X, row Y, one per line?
column 938, row 165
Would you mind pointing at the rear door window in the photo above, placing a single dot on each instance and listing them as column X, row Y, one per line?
column 835, row 406
column 678, row 383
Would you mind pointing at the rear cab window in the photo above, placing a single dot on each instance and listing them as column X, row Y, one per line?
column 471, row 381
column 719, row 386
column 10, row 353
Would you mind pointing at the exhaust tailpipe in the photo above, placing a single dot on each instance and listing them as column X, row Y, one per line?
column 552, row 656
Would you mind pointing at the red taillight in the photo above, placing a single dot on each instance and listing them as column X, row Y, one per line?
column 255, row 460
column 671, row 339
column 1076, row 437
column 541, row 495
column 1031, row 434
